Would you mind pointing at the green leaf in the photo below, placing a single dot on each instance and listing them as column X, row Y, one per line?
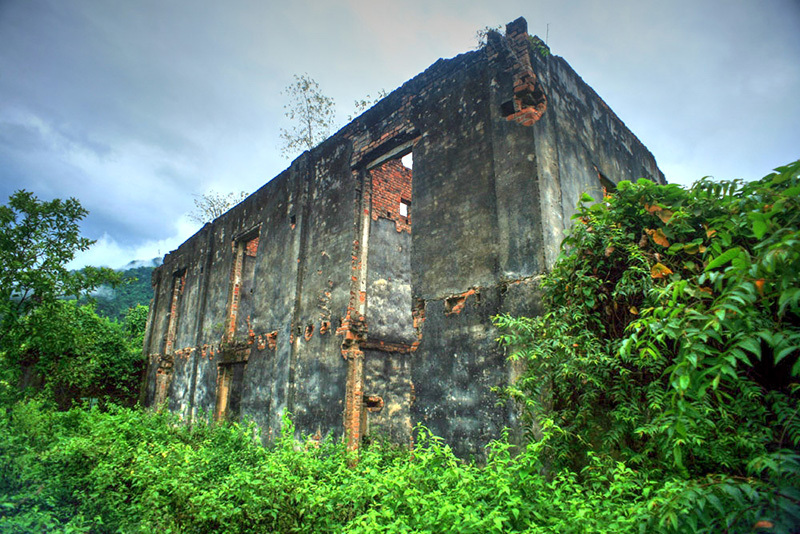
column 715, row 382
column 677, row 455
column 684, row 382
column 784, row 353
column 723, row 258
column 759, row 221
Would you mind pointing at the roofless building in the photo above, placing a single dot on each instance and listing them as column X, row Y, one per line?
column 355, row 291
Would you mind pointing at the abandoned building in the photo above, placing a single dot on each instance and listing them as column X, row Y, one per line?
column 357, row 293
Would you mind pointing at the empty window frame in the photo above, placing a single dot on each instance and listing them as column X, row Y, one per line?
column 229, row 391
column 391, row 177
column 178, row 284
column 607, row 185
column 240, row 301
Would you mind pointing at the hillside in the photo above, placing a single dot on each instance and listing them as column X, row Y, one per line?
column 135, row 289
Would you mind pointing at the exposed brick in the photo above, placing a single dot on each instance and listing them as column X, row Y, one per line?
column 251, row 247
column 455, row 304
column 391, row 184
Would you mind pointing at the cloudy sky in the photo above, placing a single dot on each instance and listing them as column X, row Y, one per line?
column 135, row 106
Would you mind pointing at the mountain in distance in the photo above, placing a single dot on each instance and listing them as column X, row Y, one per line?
column 134, row 290
column 155, row 262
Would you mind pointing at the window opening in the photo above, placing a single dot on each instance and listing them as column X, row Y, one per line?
column 391, row 190
column 163, row 381
column 240, row 301
column 607, row 185
column 229, row 391
column 404, row 207
column 178, row 283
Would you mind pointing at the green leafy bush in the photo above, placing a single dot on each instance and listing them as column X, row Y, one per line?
column 127, row 470
column 67, row 352
column 671, row 342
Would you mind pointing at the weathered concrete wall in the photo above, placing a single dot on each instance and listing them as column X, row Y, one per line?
column 357, row 293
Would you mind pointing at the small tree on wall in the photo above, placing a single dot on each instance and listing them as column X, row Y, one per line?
column 211, row 205
column 312, row 113
column 362, row 105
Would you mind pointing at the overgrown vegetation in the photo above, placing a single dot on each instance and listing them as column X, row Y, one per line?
column 66, row 353
column 133, row 471
column 671, row 341
column 660, row 396
column 51, row 347
column 127, row 470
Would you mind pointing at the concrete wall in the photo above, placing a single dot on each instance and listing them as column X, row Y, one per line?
column 319, row 295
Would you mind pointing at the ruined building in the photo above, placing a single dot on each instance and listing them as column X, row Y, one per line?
column 355, row 292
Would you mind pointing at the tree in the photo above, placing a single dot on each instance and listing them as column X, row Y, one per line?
column 313, row 113
column 67, row 353
column 213, row 204
column 360, row 106
column 482, row 35
column 37, row 240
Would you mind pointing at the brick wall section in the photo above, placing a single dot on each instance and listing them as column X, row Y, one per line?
column 530, row 102
column 391, row 183
column 251, row 248
column 240, row 250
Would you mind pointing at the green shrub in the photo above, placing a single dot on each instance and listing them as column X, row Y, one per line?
column 671, row 342
column 69, row 353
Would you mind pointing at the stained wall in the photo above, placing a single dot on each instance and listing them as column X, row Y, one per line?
column 355, row 292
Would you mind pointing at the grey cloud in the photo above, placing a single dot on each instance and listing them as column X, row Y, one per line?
column 134, row 106
column 21, row 137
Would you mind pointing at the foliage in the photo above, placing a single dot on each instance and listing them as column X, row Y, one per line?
column 312, row 112
column 362, row 105
column 135, row 289
column 68, row 353
column 37, row 240
column 134, row 325
column 211, row 205
column 482, row 35
column 671, row 337
column 539, row 46
column 127, row 470
column 49, row 344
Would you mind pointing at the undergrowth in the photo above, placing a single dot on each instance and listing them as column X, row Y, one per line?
column 128, row 470
column 661, row 396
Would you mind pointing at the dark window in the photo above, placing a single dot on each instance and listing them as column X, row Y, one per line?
column 229, row 391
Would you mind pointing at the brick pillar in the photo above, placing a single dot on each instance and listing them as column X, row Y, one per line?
column 354, row 398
